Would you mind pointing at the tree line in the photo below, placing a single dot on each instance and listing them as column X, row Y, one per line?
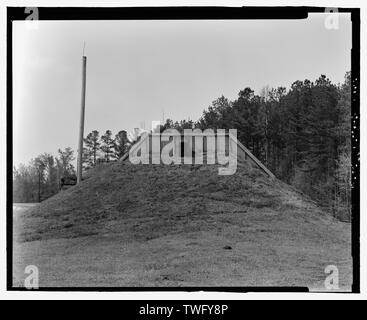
column 303, row 135
column 42, row 177
column 104, row 148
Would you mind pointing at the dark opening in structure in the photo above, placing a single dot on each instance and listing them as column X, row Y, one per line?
column 183, row 151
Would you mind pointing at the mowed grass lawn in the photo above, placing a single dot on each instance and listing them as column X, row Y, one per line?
column 259, row 247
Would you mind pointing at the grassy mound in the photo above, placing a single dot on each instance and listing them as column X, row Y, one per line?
column 156, row 225
column 160, row 199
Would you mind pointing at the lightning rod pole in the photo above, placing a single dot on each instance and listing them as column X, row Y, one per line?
column 81, row 127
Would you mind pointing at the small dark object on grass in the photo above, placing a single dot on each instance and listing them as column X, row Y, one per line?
column 227, row 247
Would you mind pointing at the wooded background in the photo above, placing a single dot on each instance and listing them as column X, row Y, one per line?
column 303, row 135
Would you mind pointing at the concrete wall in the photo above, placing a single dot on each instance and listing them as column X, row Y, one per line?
column 185, row 146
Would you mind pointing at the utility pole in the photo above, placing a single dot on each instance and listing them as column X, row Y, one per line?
column 81, row 127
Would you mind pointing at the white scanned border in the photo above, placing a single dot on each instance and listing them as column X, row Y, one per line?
column 182, row 295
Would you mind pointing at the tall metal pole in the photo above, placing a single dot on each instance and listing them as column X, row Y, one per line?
column 81, row 127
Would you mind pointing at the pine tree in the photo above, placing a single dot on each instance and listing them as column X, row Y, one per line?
column 92, row 147
column 121, row 144
column 107, row 145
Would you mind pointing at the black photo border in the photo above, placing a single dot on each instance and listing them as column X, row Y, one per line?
column 187, row 13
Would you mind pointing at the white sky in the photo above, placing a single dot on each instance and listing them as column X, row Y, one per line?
column 136, row 69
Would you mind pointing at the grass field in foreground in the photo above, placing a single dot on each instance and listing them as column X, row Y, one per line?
column 175, row 226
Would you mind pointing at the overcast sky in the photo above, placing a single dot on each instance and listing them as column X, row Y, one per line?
column 137, row 69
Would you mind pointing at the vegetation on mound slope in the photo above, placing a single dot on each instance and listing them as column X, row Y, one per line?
column 143, row 202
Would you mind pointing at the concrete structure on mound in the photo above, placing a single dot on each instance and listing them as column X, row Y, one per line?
column 191, row 145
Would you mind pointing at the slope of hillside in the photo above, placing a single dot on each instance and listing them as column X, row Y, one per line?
column 156, row 225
